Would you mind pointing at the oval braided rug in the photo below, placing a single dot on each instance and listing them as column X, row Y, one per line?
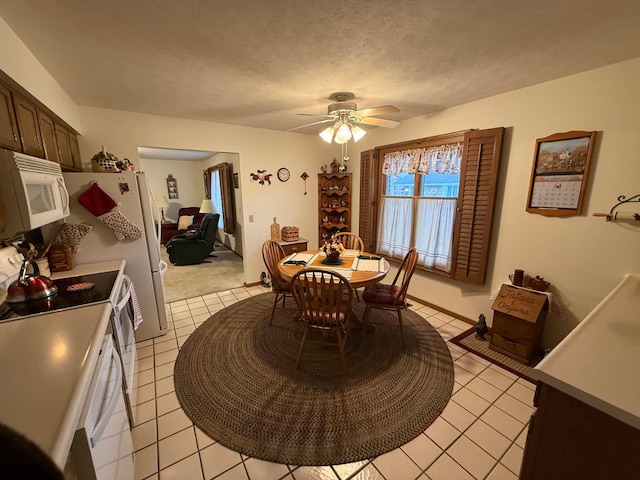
column 235, row 378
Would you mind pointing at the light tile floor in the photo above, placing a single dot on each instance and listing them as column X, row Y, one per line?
column 480, row 434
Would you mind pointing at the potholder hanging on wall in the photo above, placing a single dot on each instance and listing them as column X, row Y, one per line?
column 71, row 234
column 96, row 200
column 100, row 204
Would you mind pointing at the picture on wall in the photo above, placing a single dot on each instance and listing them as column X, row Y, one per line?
column 559, row 174
column 172, row 187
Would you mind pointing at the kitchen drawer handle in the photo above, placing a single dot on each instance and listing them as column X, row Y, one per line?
column 101, row 424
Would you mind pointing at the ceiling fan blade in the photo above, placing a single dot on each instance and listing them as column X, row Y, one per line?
column 367, row 112
column 317, row 115
column 310, row 124
column 379, row 122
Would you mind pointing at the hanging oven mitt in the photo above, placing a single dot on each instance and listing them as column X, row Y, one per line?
column 121, row 227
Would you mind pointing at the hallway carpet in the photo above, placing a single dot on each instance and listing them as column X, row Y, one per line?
column 215, row 274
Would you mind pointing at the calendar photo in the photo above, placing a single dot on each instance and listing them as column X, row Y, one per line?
column 559, row 173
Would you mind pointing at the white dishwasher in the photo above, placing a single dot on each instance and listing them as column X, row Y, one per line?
column 102, row 447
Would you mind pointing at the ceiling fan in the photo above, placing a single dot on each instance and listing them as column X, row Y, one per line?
column 345, row 117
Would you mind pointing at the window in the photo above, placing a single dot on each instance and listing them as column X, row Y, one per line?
column 217, row 180
column 435, row 194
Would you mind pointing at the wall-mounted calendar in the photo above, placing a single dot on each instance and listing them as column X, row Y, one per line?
column 559, row 173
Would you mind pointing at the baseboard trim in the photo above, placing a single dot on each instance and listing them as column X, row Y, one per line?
column 443, row 310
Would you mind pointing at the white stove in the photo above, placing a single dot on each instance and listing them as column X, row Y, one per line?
column 10, row 263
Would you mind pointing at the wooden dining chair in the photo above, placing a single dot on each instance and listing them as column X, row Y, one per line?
column 391, row 297
column 272, row 254
column 350, row 241
column 324, row 300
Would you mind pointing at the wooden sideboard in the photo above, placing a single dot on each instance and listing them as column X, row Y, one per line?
column 296, row 246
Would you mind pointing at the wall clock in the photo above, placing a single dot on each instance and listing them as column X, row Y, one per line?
column 283, row 174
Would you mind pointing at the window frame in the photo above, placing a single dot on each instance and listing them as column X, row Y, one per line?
column 471, row 240
column 228, row 211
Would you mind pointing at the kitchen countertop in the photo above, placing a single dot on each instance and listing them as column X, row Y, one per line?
column 46, row 366
column 88, row 268
column 597, row 363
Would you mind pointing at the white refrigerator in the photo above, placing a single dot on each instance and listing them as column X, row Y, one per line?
column 134, row 198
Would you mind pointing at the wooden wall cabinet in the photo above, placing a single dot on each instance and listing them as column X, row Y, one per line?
column 8, row 125
column 28, row 126
column 48, row 130
column 334, row 204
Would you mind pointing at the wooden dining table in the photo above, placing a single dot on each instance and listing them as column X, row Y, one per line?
column 357, row 278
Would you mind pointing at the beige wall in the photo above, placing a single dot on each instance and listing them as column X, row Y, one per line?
column 122, row 133
column 188, row 175
column 20, row 64
column 584, row 257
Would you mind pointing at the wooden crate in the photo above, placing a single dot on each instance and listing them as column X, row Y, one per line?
column 518, row 322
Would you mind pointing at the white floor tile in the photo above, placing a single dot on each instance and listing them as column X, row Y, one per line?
column 471, row 457
column 314, row 473
column 261, row 470
column 238, row 473
column 172, row 422
column 489, row 439
column 514, row 407
column 144, row 435
column 470, row 401
column 177, row 447
column 164, row 386
column 522, row 393
column 146, row 462
column 500, row 472
column 397, row 465
column 346, row 470
column 457, row 416
column 167, row 403
column 442, row 433
column 187, row 468
column 513, row 459
column 502, row 422
column 203, row 439
column 217, row 459
column 422, row 450
column 445, row 468
column 484, row 389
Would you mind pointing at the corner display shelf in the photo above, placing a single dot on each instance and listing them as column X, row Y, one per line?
column 334, row 204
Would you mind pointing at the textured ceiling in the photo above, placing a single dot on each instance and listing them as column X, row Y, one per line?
column 258, row 63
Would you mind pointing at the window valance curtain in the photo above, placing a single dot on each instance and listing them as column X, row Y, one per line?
column 424, row 161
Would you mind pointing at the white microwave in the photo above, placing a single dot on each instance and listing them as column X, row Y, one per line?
column 32, row 193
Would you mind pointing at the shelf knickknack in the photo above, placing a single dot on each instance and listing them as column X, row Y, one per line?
column 559, row 173
column 172, row 187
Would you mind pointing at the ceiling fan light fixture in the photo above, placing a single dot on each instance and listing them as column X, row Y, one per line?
column 357, row 133
column 327, row 134
column 343, row 134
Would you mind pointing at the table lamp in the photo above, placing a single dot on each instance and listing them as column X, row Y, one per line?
column 207, row 206
column 162, row 203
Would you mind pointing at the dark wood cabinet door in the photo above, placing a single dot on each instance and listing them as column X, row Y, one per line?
column 8, row 127
column 64, row 146
column 48, row 131
column 75, row 151
column 27, row 117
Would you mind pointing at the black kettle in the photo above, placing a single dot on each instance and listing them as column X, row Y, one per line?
column 30, row 287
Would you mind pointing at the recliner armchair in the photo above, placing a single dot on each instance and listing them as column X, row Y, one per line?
column 170, row 229
column 193, row 247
